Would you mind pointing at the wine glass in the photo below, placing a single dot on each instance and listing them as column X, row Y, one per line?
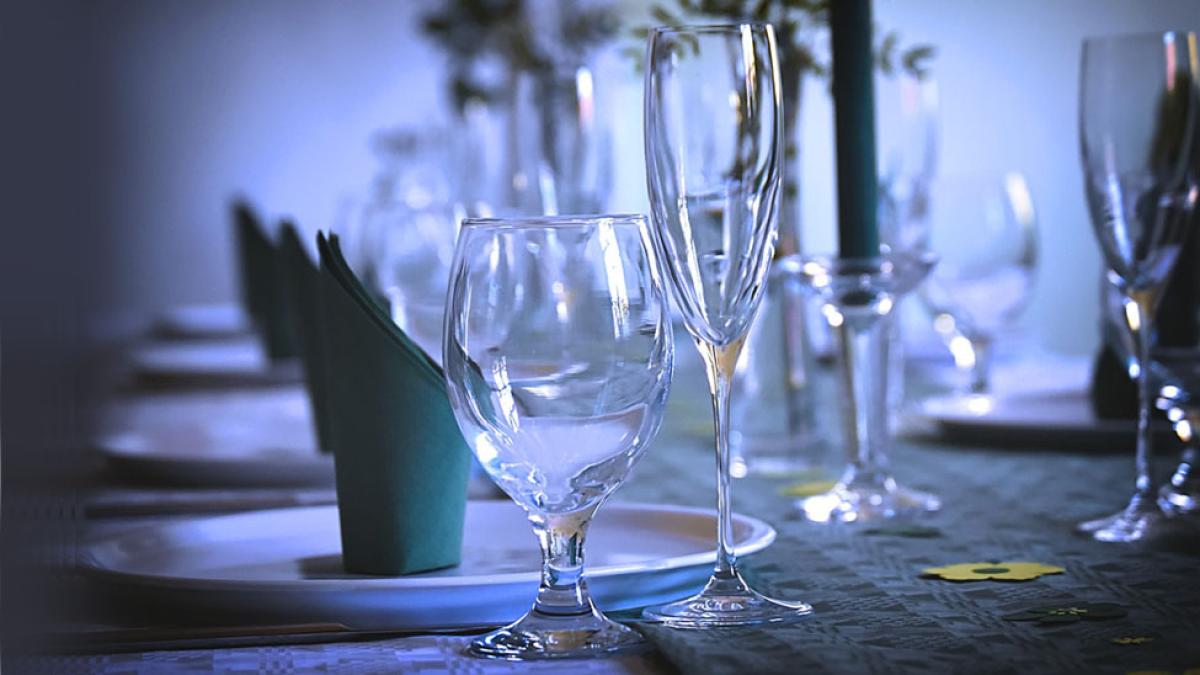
column 712, row 132
column 1139, row 111
column 1179, row 497
column 984, row 230
column 908, row 153
column 558, row 357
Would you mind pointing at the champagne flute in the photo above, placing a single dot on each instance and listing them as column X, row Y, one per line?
column 1139, row 111
column 558, row 357
column 712, row 129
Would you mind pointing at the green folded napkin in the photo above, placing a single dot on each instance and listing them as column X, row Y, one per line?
column 400, row 460
column 302, row 286
column 262, row 289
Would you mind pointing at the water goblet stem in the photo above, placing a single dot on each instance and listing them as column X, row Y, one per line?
column 562, row 591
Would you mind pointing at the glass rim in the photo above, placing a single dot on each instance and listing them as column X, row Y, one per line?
column 713, row 27
column 1134, row 36
column 552, row 222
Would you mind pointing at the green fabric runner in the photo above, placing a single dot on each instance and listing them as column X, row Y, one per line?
column 874, row 613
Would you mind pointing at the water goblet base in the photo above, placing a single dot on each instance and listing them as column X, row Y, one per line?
column 727, row 600
column 541, row 636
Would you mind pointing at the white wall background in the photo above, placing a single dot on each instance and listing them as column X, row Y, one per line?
column 275, row 99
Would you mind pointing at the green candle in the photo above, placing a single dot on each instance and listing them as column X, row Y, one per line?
column 854, row 123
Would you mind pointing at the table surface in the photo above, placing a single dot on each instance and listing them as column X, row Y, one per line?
column 873, row 612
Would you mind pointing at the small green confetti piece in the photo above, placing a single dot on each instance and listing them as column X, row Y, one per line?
column 911, row 531
column 1068, row 613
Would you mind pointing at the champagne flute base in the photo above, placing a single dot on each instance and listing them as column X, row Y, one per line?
column 852, row 504
column 726, row 601
column 1139, row 520
column 541, row 636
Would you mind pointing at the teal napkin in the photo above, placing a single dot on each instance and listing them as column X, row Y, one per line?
column 262, row 289
column 301, row 280
column 400, row 460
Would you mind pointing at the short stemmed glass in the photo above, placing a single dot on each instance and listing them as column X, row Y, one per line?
column 1139, row 111
column 983, row 229
column 712, row 130
column 558, row 357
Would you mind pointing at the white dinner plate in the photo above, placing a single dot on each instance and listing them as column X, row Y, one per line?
column 1041, row 402
column 217, row 438
column 203, row 321
column 1056, row 418
column 285, row 566
column 229, row 362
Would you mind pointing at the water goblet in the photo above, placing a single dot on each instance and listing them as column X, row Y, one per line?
column 712, row 129
column 984, row 232
column 558, row 357
column 1139, row 111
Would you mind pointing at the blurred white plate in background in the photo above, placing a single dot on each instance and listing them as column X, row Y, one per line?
column 256, row 437
column 212, row 363
column 1042, row 402
column 203, row 321
column 285, row 566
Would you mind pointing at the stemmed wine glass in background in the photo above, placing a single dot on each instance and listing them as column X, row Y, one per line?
column 908, row 153
column 558, row 357
column 712, row 132
column 1179, row 497
column 1139, row 111
column 983, row 229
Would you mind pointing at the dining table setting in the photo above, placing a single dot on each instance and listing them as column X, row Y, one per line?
column 493, row 425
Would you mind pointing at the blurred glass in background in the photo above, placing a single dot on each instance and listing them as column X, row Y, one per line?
column 984, row 229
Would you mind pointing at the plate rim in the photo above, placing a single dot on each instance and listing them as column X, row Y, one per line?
column 760, row 536
column 110, row 446
column 938, row 410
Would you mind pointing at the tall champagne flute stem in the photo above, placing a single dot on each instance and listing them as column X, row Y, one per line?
column 1139, row 310
column 719, row 363
column 1137, row 520
column 562, row 591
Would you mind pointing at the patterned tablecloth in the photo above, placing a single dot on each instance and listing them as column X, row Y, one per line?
column 873, row 613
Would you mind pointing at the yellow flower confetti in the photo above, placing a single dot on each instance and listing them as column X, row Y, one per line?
column 1132, row 640
column 808, row 489
column 999, row 571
